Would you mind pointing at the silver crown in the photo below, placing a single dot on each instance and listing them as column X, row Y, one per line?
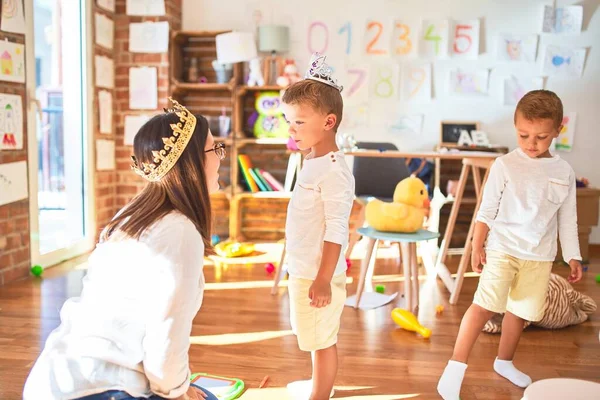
column 321, row 72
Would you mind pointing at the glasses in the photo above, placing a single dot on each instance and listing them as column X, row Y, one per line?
column 219, row 149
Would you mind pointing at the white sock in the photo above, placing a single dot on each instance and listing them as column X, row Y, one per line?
column 301, row 390
column 510, row 372
column 451, row 380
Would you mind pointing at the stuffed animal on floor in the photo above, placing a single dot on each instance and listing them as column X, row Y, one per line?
column 564, row 307
column 406, row 213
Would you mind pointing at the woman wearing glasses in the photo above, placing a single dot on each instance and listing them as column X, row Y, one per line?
column 128, row 335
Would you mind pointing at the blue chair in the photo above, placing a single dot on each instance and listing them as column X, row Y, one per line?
column 408, row 248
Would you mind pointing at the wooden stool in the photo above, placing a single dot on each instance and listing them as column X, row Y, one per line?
column 562, row 388
column 408, row 249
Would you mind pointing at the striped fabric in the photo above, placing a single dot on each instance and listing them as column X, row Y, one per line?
column 564, row 306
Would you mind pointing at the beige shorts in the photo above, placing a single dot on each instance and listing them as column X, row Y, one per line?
column 514, row 285
column 316, row 328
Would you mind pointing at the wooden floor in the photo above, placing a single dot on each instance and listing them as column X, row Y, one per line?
column 242, row 331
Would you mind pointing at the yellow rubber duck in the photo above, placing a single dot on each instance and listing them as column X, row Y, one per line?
column 406, row 213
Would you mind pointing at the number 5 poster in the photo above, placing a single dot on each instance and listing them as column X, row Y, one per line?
column 466, row 39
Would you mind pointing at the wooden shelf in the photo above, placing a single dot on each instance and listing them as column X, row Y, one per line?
column 243, row 89
column 178, row 86
column 266, row 141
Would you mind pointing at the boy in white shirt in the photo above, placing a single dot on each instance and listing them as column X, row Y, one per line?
column 529, row 198
column 317, row 225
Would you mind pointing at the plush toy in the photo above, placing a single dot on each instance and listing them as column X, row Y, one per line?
column 290, row 74
column 270, row 122
column 564, row 306
column 406, row 213
column 255, row 77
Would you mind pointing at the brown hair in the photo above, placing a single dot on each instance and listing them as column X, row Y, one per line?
column 183, row 188
column 320, row 96
column 541, row 104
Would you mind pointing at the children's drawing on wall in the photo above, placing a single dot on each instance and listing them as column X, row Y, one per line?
column 516, row 47
column 468, row 83
column 384, row 82
column 355, row 116
column 11, row 122
column 105, row 72
column 146, row 7
column 416, row 83
column 12, row 62
column 563, row 20
column 516, row 87
column 13, row 182
column 412, row 124
column 355, row 78
column 564, row 141
column 13, row 17
column 433, row 40
column 143, row 90
column 564, row 61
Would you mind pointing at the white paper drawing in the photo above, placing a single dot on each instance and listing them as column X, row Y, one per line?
column 105, row 72
column 108, row 5
column 383, row 81
column 468, row 83
column 412, row 124
column 105, row 29
column 105, row 155
column 106, row 111
column 143, row 89
column 563, row 20
column 12, row 62
column 465, row 43
column 564, row 141
column 13, row 182
column 133, row 123
column 563, row 61
column 416, row 83
column 149, row 37
column 146, row 7
column 433, row 38
column 11, row 122
column 13, row 16
column 516, row 87
column 511, row 47
column 355, row 116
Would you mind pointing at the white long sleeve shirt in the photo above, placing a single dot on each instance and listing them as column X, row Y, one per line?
column 526, row 202
column 319, row 211
column 130, row 328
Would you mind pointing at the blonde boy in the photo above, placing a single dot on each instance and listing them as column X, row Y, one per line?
column 317, row 225
column 528, row 199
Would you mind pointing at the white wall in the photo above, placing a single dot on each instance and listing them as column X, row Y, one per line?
column 510, row 16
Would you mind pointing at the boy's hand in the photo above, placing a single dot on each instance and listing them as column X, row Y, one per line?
column 320, row 293
column 478, row 259
column 576, row 271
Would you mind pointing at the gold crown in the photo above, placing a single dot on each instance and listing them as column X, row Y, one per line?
column 164, row 159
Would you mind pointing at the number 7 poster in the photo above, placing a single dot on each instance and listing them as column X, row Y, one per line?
column 465, row 39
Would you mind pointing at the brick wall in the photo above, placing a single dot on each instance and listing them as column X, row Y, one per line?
column 129, row 184
column 104, row 181
column 14, row 217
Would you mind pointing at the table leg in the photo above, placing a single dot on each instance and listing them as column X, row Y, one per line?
column 406, row 269
column 279, row 272
column 366, row 268
column 414, row 272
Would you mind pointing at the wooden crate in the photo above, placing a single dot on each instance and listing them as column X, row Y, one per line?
column 220, row 214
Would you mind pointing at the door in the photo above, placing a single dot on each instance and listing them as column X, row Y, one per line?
column 59, row 128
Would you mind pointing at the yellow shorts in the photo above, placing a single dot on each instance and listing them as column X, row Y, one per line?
column 514, row 285
column 316, row 328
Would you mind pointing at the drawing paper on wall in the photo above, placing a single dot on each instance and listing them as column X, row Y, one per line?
column 13, row 182
column 12, row 62
column 416, row 83
column 468, row 83
column 13, row 17
column 412, row 124
column 11, row 122
column 564, row 141
column 564, row 61
column 565, row 20
column 143, row 90
column 516, row 47
column 516, row 87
